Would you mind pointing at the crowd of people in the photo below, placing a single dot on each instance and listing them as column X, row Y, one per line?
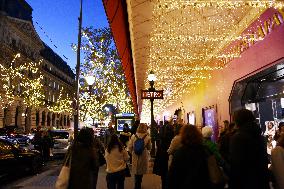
column 186, row 156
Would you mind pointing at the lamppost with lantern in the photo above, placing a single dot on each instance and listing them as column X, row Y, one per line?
column 152, row 94
column 90, row 79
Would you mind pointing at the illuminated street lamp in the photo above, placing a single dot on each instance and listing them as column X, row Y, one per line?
column 90, row 79
column 76, row 113
column 152, row 94
column 152, row 78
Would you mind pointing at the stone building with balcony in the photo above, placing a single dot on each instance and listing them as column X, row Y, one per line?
column 18, row 35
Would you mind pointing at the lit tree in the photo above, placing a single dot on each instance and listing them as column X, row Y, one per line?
column 22, row 82
column 62, row 105
column 102, row 61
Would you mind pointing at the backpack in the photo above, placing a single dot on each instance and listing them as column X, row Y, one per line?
column 139, row 145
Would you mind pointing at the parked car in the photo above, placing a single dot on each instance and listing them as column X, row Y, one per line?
column 15, row 161
column 23, row 140
column 62, row 140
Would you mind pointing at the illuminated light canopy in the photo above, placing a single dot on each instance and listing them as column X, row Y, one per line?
column 188, row 41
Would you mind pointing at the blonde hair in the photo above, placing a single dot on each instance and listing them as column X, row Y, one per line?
column 142, row 128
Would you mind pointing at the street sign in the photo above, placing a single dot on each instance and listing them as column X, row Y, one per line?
column 149, row 94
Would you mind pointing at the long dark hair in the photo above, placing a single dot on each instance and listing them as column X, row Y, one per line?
column 86, row 137
column 114, row 141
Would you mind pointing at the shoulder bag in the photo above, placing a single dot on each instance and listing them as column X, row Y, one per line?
column 216, row 174
column 62, row 181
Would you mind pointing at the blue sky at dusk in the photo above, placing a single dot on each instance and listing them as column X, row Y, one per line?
column 59, row 20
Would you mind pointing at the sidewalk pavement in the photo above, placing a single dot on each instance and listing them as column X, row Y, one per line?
column 47, row 179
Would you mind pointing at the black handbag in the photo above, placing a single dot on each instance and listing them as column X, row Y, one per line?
column 127, row 171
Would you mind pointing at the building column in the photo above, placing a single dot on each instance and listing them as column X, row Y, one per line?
column 10, row 116
column 40, row 118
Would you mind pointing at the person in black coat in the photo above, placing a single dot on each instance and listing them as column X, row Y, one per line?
column 125, row 134
column 189, row 167
column 248, row 157
column 83, row 161
column 166, row 134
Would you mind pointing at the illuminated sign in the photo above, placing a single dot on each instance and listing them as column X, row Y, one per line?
column 262, row 30
column 157, row 94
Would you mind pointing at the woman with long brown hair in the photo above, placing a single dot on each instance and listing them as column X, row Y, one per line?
column 189, row 168
column 116, row 157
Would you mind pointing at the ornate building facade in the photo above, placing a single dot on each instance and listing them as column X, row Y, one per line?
column 18, row 37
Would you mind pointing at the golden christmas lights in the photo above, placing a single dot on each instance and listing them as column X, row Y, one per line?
column 101, row 61
column 188, row 39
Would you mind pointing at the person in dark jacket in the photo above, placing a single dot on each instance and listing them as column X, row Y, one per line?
column 166, row 134
column 189, row 168
column 125, row 134
column 83, row 161
column 224, row 141
column 134, row 127
column 46, row 143
column 248, row 157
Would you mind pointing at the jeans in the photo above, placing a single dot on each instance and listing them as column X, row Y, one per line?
column 138, row 181
column 115, row 180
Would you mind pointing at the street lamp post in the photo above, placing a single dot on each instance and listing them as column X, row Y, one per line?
column 152, row 94
column 152, row 78
column 76, row 114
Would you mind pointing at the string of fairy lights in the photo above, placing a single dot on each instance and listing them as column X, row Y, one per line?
column 187, row 42
column 25, row 82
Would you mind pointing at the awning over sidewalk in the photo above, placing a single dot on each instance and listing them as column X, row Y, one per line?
column 116, row 12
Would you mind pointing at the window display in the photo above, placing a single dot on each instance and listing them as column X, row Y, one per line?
column 121, row 122
column 191, row 118
column 209, row 119
column 269, row 135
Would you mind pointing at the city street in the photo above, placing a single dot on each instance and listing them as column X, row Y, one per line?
column 47, row 179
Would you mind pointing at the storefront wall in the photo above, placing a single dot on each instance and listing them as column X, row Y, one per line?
column 216, row 91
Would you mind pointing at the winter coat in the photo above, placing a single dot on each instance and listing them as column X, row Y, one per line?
column 140, row 163
column 224, row 143
column 212, row 147
column 124, row 136
column 83, row 167
column 277, row 158
column 166, row 134
column 248, row 159
column 116, row 160
column 189, row 168
column 175, row 144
